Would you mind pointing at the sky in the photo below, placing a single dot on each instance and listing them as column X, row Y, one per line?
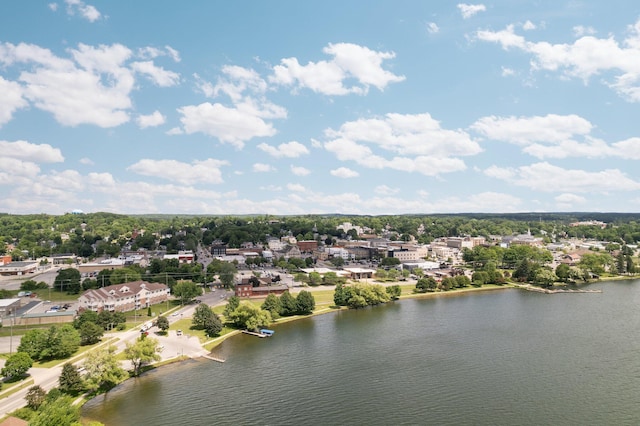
column 299, row 107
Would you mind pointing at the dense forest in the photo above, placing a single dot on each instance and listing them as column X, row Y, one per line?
column 97, row 234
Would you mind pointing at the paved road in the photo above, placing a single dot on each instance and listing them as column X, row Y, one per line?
column 173, row 344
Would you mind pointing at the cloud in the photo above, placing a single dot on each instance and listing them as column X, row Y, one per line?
column 37, row 153
column 468, row 10
column 300, row 171
column 584, row 58
column 175, row 131
column 525, row 130
column 150, row 52
column 158, row 75
column 75, row 95
column 528, row 26
column 229, row 125
column 295, row 187
column 291, row 149
column 580, row 31
column 86, row 161
column 385, row 190
column 207, row 171
column 240, row 122
column 88, row 12
column 328, row 77
column 11, row 100
column 262, row 168
column 545, row 177
column 152, row 120
column 554, row 136
column 53, row 6
column 92, row 86
column 567, row 201
column 343, row 172
column 419, row 142
column 506, row 72
column 432, row 28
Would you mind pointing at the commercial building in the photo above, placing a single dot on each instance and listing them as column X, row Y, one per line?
column 124, row 297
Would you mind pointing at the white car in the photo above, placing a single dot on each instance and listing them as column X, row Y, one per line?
column 175, row 314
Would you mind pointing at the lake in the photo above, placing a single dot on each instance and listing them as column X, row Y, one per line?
column 506, row 357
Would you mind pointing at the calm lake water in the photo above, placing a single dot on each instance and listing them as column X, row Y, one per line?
column 506, row 357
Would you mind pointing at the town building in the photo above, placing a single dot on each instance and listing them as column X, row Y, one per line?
column 18, row 268
column 183, row 256
column 265, row 287
column 124, row 297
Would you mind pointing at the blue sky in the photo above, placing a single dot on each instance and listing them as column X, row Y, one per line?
column 290, row 107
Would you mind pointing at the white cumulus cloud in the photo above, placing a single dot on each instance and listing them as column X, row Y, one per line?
column 291, row 149
column 468, row 10
column 151, row 120
column 328, row 77
column 262, row 168
column 344, row 172
column 300, row 171
column 206, row 171
column 586, row 57
column 88, row 12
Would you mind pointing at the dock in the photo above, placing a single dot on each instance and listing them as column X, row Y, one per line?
column 213, row 358
column 253, row 333
column 529, row 287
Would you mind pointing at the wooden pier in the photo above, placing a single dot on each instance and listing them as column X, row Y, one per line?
column 253, row 333
column 213, row 358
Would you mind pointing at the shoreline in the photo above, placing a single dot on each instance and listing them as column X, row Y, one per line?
column 327, row 310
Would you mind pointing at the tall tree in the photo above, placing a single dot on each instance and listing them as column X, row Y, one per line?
column 35, row 397
column 201, row 315
column 143, row 351
column 272, row 304
column 103, row 369
column 232, row 305
column 90, row 333
column 70, row 380
column 17, row 365
column 305, row 303
column 162, row 323
column 288, row 304
column 57, row 412
column 186, row 291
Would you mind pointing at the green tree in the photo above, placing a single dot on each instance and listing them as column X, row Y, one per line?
column 272, row 304
column 201, row 315
column 227, row 273
column 305, row 303
column 35, row 397
column 141, row 352
column 68, row 280
column 426, row 284
column 357, row 301
column 125, row 275
column 545, row 277
column 62, row 341
column 57, row 412
column 17, row 365
column 86, row 316
column 90, row 333
column 339, row 295
column 232, row 305
column 390, row 261
column 70, row 380
column 110, row 320
column 186, row 291
column 337, row 261
column 563, row 272
column 33, row 342
column 288, row 305
column 394, row 292
column 213, row 325
column 250, row 317
column 314, row 279
column 103, row 369
column 162, row 323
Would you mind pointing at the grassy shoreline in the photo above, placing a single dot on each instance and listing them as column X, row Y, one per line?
column 326, row 307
